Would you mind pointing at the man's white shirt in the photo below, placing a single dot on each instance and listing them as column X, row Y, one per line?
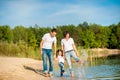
column 48, row 40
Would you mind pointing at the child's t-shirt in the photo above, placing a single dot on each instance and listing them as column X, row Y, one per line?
column 60, row 59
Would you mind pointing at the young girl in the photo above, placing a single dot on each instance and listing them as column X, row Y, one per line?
column 60, row 58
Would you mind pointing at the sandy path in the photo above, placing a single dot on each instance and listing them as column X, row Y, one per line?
column 12, row 68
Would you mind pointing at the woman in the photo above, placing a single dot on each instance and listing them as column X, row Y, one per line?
column 70, row 50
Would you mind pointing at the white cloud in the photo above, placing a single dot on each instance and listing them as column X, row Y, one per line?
column 90, row 13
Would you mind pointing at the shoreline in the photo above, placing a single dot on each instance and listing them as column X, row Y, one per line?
column 14, row 68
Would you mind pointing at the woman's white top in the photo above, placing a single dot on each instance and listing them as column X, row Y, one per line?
column 68, row 44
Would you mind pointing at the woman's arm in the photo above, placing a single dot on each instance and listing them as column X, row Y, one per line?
column 63, row 49
column 74, row 47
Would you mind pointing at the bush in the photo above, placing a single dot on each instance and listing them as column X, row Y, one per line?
column 19, row 49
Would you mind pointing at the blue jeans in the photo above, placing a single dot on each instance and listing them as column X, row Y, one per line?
column 47, row 53
column 61, row 65
column 68, row 56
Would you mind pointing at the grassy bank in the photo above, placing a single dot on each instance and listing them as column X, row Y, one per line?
column 21, row 49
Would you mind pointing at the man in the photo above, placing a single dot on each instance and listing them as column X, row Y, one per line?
column 46, row 51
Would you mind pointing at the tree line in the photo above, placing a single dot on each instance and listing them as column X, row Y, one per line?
column 84, row 34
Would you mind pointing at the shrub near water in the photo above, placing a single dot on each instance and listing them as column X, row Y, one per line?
column 19, row 49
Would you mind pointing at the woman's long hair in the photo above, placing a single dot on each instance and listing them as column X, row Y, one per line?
column 65, row 33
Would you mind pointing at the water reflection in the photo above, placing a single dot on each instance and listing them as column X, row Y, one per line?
column 101, row 69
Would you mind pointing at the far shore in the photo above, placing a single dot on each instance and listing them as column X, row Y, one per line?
column 99, row 52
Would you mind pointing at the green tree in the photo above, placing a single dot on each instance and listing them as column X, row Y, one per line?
column 113, row 41
column 6, row 33
column 84, row 25
column 88, row 38
column 78, row 39
column 96, row 29
column 1, row 32
column 118, row 35
column 104, row 36
column 59, row 35
column 20, row 33
column 31, row 39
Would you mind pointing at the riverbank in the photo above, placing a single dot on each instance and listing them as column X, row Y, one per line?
column 13, row 68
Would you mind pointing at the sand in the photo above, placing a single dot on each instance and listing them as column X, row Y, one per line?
column 12, row 68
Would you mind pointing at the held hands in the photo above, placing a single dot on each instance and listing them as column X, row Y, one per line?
column 54, row 57
column 41, row 52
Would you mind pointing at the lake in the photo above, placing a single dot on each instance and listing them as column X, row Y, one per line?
column 107, row 68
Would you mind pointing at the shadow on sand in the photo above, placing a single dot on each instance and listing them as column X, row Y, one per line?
column 35, row 70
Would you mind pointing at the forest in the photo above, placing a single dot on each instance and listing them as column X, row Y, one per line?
column 24, row 41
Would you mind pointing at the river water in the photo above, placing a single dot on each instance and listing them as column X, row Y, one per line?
column 99, row 69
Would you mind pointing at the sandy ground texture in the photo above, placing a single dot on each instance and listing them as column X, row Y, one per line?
column 12, row 68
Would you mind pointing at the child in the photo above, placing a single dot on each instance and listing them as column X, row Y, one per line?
column 60, row 58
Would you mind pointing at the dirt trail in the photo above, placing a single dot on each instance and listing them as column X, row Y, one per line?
column 12, row 68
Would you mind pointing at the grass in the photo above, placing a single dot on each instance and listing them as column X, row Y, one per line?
column 21, row 49
column 18, row 50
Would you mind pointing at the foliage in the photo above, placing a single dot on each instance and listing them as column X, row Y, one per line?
column 24, row 41
column 20, row 50
column 19, row 33
column 6, row 33
column 88, row 38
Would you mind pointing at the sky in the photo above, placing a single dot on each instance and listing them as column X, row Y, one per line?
column 49, row 13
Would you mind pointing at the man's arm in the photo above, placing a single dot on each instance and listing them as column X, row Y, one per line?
column 55, row 48
column 41, row 44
